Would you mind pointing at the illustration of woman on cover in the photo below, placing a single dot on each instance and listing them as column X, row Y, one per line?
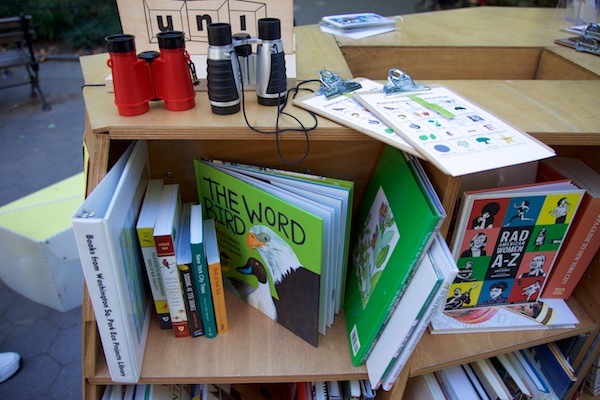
column 532, row 289
column 561, row 210
column 464, row 273
column 486, row 219
column 522, row 208
column 540, row 239
column 476, row 246
column 496, row 291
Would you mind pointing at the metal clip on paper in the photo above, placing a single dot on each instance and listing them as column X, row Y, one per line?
column 334, row 85
column 589, row 41
column 400, row 82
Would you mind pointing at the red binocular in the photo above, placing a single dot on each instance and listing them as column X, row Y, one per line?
column 151, row 75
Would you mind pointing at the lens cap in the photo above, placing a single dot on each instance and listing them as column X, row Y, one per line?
column 120, row 43
column 171, row 40
column 219, row 34
column 269, row 29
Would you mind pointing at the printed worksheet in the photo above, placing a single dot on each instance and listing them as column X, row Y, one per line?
column 347, row 111
column 451, row 132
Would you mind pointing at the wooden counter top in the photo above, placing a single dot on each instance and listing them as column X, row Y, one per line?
column 474, row 27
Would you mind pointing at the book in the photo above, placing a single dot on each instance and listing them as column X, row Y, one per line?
column 104, row 230
column 506, row 241
column 454, row 134
column 394, row 226
column 475, row 381
column 556, row 370
column 334, row 195
column 200, row 272
column 543, row 314
column 277, row 244
column 583, row 241
column 166, row 231
column 456, row 383
column 358, row 21
column 183, row 252
column 347, row 111
column 405, row 316
column 358, row 25
column 514, row 383
column 145, row 232
column 434, row 386
column 443, row 260
column 417, row 389
column 213, row 261
column 526, row 362
column 512, row 364
column 490, row 380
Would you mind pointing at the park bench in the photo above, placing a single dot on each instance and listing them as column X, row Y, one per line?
column 16, row 50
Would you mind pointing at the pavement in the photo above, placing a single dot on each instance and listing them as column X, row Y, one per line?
column 37, row 149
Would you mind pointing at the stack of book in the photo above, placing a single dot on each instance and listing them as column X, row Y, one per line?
column 537, row 373
column 400, row 268
column 277, row 239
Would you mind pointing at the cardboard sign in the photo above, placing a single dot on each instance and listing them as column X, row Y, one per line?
column 146, row 18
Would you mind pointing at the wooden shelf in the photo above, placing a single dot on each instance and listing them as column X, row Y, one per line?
column 563, row 114
column 440, row 351
column 256, row 349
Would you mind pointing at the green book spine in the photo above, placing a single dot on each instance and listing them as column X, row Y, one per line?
column 200, row 273
column 199, row 270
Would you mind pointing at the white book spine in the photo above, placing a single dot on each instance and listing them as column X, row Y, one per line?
column 97, row 260
column 401, row 360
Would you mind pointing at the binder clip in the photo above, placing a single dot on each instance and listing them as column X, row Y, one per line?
column 589, row 41
column 334, row 85
column 400, row 82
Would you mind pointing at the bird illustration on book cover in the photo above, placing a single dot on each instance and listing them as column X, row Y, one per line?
column 271, row 252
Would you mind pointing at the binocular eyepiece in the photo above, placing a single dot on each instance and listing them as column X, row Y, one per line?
column 222, row 68
column 270, row 63
column 151, row 75
column 232, row 64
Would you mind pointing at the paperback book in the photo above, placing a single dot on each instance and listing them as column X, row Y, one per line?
column 215, row 273
column 200, row 273
column 506, row 241
column 426, row 291
column 442, row 258
column 278, row 243
column 145, row 231
column 395, row 225
column 583, row 241
column 166, row 233
column 104, row 229
column 183, row 252
column 542, row 314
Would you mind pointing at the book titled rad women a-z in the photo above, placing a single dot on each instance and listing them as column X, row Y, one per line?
column 506, row 242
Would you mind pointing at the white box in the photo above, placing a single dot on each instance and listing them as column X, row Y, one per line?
column 39, row 255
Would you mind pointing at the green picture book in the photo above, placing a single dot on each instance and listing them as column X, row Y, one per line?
column 273, row 245
column 393, row 229
column 337, row 196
